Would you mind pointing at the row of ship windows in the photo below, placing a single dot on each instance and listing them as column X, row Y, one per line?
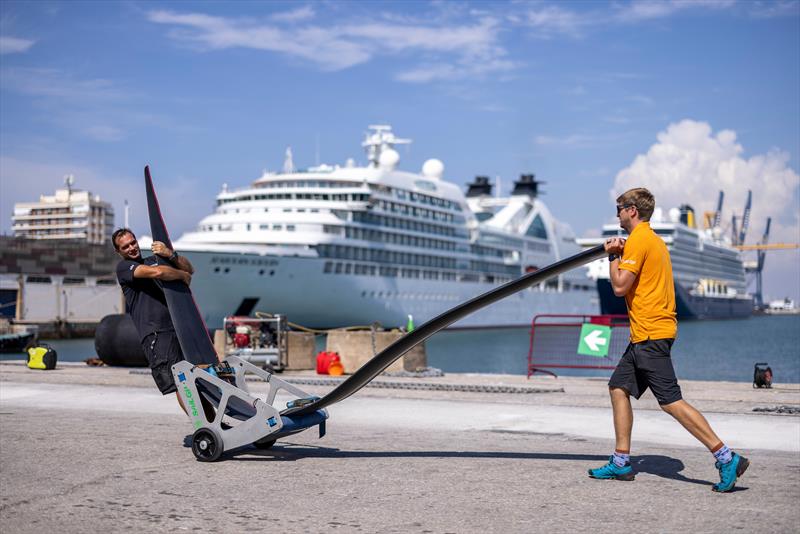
column 368, row 234
column 248, row 227
column 510, row 270
column 704, row 265
column 504, row 241
column 383, row 256
column 332, row 267
column 712, row 251
column 306, row 183
column 402, row 258
column 405, row 209
column 405, row 224
column 341, row 197
column 403, row 194
column 393, row 207
column 266, row 210
column 261, row 272
column 518, row 244
column 423, row 274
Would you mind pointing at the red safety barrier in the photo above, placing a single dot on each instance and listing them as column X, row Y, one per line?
column 554, row 342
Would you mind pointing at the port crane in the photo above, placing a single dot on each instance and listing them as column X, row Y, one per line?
column 738, row 236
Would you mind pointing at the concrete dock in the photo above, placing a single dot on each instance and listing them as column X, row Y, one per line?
column 98, row 449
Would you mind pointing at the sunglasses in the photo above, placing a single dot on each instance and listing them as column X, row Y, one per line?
column 624, row 207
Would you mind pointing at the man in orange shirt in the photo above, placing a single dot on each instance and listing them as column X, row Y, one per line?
column 641, row 271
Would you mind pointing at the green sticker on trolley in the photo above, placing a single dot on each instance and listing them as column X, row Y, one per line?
column 595, row 339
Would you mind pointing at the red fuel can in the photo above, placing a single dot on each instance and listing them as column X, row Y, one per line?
column 324, row 361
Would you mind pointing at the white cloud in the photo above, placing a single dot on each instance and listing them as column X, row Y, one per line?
column 56, row 83
column 97, row 108
column 617, row 119
column 569, row 140
column 773, row 9
column 549, row 20
column 14, row 45
column 641, row 99
column 554, row 20
column 318, row 45
column 103, row 132
column 454, row 71
column 655, row 9
column 691, row 164
column 295, row 15
column 574, row 140
column 452, row 51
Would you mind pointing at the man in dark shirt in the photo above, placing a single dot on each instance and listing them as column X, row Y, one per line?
column 146, row 304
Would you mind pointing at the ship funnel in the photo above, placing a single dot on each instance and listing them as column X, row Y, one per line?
column 480, row 187
column 527, row 185
column 687, row 215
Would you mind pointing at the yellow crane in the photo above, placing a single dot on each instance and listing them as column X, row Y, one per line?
column 769, row 246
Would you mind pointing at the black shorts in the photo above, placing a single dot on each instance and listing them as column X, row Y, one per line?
column 648, row 365
column 163, row 350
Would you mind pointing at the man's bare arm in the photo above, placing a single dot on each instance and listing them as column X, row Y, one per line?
column 179, row 261
column 162, row 272
column 621, row 279
column 183, row 264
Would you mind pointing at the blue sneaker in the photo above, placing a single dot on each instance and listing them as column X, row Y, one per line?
column 611, row 471
column 728, row 473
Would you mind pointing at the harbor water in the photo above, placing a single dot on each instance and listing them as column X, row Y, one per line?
column 704, row 350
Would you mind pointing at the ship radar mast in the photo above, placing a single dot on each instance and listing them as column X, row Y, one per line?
column 379, row 141
column 288, row 161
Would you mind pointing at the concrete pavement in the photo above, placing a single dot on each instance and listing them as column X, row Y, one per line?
column 87, row 450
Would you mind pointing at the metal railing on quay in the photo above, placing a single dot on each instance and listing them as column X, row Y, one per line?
column 564, row 342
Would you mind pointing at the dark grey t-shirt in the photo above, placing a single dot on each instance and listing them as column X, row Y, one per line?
column 144, row 298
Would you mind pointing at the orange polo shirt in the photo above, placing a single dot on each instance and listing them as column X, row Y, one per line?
column 651, row 299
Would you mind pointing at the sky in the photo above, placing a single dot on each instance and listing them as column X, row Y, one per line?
column 683, row 97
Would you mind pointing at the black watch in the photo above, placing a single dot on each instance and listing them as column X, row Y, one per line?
column 174, row 255
column 612, row 257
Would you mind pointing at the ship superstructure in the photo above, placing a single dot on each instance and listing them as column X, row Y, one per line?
column 348, row 245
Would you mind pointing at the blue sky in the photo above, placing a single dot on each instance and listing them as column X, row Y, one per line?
column 684, row 97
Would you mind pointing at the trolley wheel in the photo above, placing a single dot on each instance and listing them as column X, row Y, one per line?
column 206, row 445
column 264, row 444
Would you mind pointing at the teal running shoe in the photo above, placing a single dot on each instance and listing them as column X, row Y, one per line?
column 611, row 471
column 728, row 473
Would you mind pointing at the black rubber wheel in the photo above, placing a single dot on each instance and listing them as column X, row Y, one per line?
column 264, row 444
column 206, row 445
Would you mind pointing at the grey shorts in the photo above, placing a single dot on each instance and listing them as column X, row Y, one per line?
column 648, row 364
column 162, row 351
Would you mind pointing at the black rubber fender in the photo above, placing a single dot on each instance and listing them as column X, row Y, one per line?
column 117, row 342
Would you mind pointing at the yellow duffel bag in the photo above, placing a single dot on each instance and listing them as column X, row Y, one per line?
column 42, row 357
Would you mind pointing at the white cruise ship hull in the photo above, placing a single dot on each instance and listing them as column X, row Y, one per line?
column 298, row 288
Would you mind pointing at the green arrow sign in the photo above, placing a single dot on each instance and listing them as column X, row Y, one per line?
column 594, row 340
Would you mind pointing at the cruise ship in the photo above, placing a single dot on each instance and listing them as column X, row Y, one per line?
column 337, row 246
column 709, row 273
